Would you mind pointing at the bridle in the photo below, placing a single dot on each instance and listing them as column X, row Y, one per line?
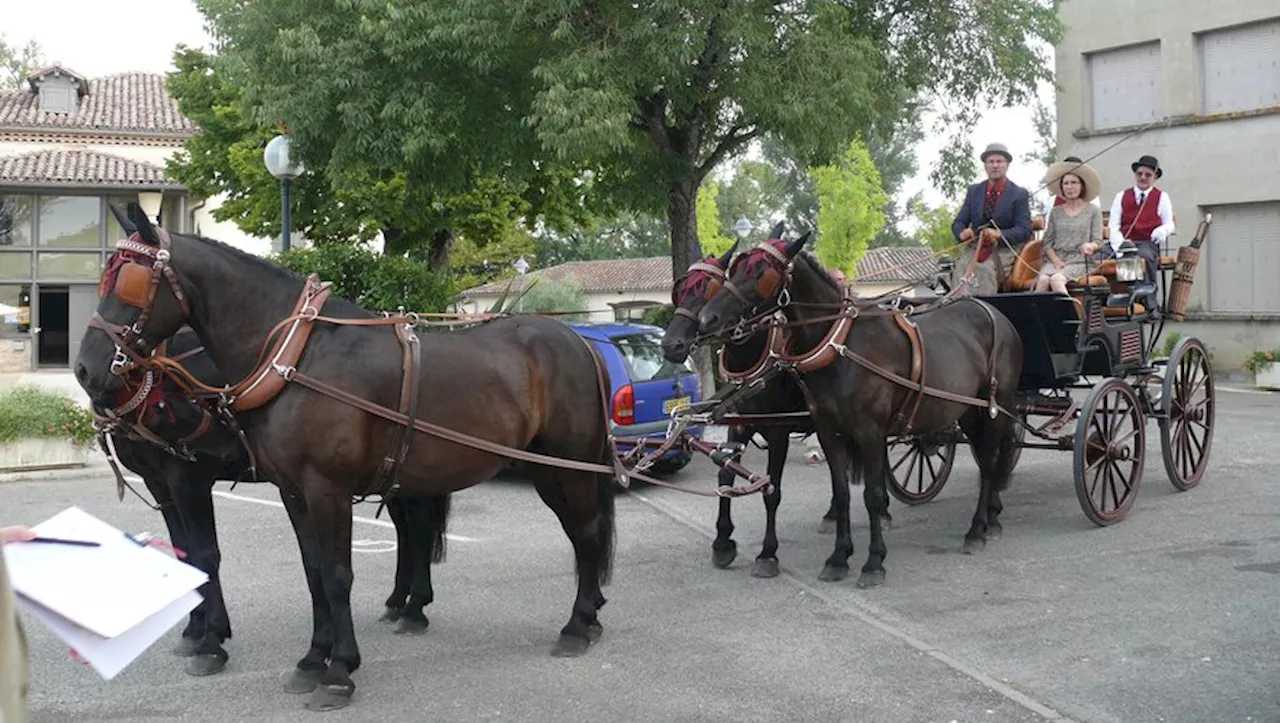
column 133, row 274
column 707, row 269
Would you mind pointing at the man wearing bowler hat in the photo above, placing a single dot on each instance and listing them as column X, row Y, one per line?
column 994, row 220
column 1142, row 214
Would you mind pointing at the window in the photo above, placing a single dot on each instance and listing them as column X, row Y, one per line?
column 124, row 204
column 642, row 354
column 15, row 220
column 15, row 265
column 71, row 221
column 1241, row 67
column 1126, row 86
column 58, row 99
column 15, row 309
column 69, row 265
column 1244, row 257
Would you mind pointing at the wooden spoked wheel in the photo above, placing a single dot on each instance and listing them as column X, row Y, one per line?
column 918, row 468
column 1186, row 430
column 1110, row 451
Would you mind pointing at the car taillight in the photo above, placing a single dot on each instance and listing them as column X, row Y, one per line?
column 624, row 405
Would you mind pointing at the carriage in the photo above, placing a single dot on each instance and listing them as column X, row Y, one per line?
column 1102, row 342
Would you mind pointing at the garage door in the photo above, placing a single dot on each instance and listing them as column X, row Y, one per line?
column 1243, row 247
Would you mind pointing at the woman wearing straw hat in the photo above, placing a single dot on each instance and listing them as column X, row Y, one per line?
column 1070, row 226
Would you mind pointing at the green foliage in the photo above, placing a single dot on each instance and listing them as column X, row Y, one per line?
column 472, row 265
column 935, row 224
column 851, row 208
column 659, row 316
column 377, row 282
column 17, row 62
column 1260, row 359
column 713, row 241
column 1045, row 121
column 630, row 235
column 31, row 411
column 765, row 192
column 1170, row 340
column 545, row 295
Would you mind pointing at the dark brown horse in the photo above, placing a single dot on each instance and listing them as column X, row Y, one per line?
column 780, row 394
column 970, row 352
column 525, row 383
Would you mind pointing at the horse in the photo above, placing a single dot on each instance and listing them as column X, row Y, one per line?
column 180, row 449
column 325, row 431
column 874, row 373
column 780, row 394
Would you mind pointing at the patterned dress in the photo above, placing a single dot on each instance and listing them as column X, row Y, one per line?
column 1065, row 234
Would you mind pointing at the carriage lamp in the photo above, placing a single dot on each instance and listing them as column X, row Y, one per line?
column 1129, row 265
column 282, row 165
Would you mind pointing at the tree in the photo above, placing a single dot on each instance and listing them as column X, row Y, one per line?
column 650, row 97
column 935, row 224
column 16, row 63
column 851, row 208
column 714, row 242
column 630, row 235
column 1045, row 121
column 893, row 152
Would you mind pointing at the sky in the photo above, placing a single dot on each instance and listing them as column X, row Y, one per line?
column 118, row 36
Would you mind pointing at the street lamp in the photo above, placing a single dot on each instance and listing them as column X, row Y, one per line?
column 282, row 166
column 521, row 266
column 742, row 227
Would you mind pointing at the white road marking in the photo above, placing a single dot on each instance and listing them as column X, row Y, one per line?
column 354, row 518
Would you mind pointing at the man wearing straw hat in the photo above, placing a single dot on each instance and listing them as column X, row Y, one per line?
column 997, row 213
column 1142, row 214
column 1073, row 228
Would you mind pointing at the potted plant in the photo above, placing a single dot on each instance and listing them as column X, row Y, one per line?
column 42, row 429
column 1263, row 365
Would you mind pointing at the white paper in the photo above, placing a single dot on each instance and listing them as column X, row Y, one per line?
column 106, row 590
column 109, row 656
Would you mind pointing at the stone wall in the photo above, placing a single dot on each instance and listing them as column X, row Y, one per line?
column 15, row 355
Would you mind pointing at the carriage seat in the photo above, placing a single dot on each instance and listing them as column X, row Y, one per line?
column 1027, row 266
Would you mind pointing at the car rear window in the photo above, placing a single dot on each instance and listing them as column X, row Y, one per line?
column 642, row 354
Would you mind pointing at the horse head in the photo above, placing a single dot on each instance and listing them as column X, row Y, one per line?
column 140, row 305
column 689, row 294
column 757, row 277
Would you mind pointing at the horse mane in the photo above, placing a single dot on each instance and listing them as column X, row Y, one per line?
column 820, row 270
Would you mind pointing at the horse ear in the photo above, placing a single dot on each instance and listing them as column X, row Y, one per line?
column 724, row 260
column 143, row 225
column 793, row 249
column 776, row 233
column 122, row 218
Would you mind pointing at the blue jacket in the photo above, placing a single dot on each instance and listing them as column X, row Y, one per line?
column 1012, row 215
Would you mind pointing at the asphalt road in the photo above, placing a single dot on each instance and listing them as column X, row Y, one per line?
column 1170, row 615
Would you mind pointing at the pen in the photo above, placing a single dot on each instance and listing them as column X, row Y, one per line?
column 61, row 541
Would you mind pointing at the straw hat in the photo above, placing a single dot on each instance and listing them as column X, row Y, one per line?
column 1085, row 172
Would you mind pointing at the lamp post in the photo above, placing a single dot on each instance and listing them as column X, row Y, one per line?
column 282, row 166
column 742, row 227
column 522, row 267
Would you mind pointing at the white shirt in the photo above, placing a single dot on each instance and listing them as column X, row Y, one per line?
column 1160, row 233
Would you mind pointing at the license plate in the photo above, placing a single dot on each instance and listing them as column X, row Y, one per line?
column 678, row 404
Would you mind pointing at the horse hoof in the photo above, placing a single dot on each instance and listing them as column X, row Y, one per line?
column 831, row 573
column 390, row 615
column 206, row 664
column 973, row 545
column 994, row 532
column 594, row 631
column 765, row 567
column 302, row 681
column 330, row 697
column 724, row 558
column 827, row 527
column 570, row 646
column 186, row 647
column 409, row 626
column 871, row 578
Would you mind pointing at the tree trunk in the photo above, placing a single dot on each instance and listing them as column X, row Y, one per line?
column 682, row 213
column 398, row 241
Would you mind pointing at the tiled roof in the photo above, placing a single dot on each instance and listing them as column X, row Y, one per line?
column 651, row 274
column 77, row 167
column 895, row 264
column 134, row 102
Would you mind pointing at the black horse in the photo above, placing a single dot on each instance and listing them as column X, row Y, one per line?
column 166, row 440
column 780, row 394
column 523, row 383
column 970, row 352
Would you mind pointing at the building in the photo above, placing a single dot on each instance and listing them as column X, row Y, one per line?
column 905, row 269
column 1197, row 85
column 69, row 145
column 615, row 289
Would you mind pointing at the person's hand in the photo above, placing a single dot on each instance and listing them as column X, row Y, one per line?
column 16, row 534
column 1158, row 235
column 990, row 235
column 1088, row 248
column 966, row 236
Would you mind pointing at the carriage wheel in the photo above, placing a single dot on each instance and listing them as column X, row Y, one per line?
column 918, row 468
column 1187, row 399
column 1110, row 450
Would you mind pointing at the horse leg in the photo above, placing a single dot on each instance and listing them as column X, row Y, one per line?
column 426, row 517
column 329, row 517
column 194, row 502
column 838, row 452
column 875, row 494
column 985, row 449
column 723, row 549
column 778, row 439
column 306, row 675
column 1003, row 471
column 573, row 496
column 404, row 563
column 158, row 485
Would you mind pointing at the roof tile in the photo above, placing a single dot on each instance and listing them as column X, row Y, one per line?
column 80, row 167
column 136, row 102
column 650, row 274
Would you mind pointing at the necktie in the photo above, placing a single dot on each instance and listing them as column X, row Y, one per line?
column 1142, row 198
column 989, row 203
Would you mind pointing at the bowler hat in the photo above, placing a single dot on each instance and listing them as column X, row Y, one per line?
column 1149, row 162
column 997, row 148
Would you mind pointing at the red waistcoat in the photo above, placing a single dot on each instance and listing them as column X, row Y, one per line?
column 1143, row 221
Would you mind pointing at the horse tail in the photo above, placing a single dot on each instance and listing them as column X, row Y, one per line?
column 606, row 487
column 437, row 514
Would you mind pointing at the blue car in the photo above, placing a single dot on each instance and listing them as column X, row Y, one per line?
column 646, row 388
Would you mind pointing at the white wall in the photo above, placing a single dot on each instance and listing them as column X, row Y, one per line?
column 597, row 303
